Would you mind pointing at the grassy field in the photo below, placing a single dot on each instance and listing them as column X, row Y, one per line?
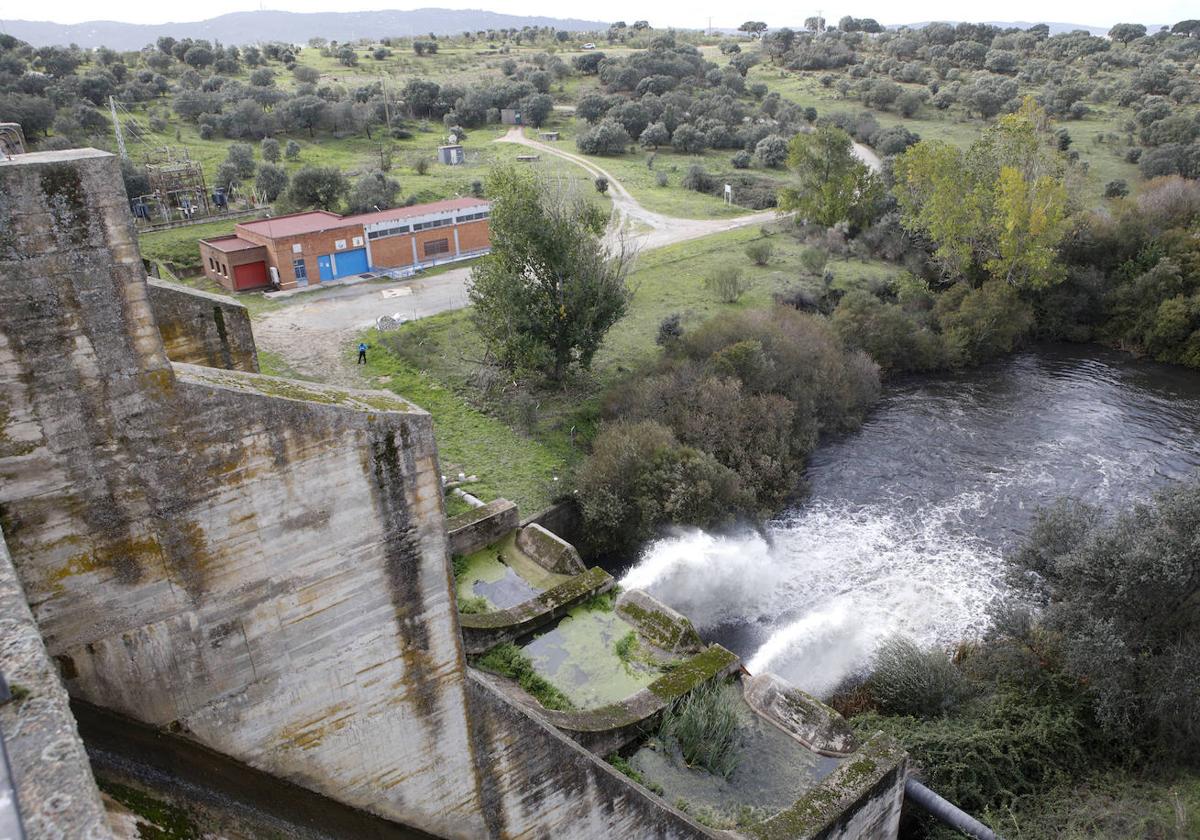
column 517, row 436
column 635, row 172
column 1105, row 163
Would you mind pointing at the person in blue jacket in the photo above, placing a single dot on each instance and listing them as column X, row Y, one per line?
column 362, row 353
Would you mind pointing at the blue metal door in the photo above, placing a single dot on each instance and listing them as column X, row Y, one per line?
column 325, row 267
column 352, row 262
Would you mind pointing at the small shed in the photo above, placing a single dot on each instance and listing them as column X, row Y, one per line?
column 510, row 116
column 451, row 155
column 548, row 135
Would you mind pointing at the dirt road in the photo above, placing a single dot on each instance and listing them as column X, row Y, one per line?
column 316, row 334
column 629, row 215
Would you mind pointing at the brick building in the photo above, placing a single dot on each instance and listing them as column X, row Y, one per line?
column 317, row 246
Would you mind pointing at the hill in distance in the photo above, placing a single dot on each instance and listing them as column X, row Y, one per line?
column 289, row 27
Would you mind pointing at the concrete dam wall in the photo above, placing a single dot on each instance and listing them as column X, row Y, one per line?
column 256, row 564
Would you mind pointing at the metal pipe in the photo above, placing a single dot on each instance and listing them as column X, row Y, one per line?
column 947, row 812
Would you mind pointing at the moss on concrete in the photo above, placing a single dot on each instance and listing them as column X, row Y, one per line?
column 660, row 628
column 158, row 820
column 694, row 671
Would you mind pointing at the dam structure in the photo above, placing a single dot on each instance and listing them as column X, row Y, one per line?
column 262, row 568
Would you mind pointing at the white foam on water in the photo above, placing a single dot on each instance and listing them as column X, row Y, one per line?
column 831, row 583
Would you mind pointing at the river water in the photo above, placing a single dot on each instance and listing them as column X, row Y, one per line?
column 908, row 519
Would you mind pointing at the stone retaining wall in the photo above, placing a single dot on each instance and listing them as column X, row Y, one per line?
column 551, row 552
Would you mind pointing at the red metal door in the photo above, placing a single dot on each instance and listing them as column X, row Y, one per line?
column 250, row 276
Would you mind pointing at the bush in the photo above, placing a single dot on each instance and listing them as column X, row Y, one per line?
column 979, row 324
column 670, row 331
column 704, row 725
column 895, row 339
column 772, row 151
column 421, row 166
column 292, row 150
column 727, row 283
column 760, row 252
column 1116, row 189
column 661, row 179
column 814, row 260
column 1123, row 598
column 601, row 185
column 271, row 181
column 606, row 138
column 639, row 478
column 741, row 160
column 907, row 680
column 696, row 178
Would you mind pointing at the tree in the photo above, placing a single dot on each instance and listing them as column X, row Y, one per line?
column 305, row 112
column 536, row 108
column 241, row 155
column 269, row 149
column 550, row 288
column 292, row 150
column 999, row 209
column 754, row 28
column 655, row 135
column 834, row 185
column 1126, row 32
column 198, row 56
column 318, row 186
column 771, row 151
column 607, row 138
column 262, row 77
column 271, row 181
column 373, row 191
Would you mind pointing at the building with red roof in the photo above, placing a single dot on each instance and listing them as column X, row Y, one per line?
column 317, row 246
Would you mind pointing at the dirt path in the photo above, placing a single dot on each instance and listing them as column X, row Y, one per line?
column 629, row 215
column 316, row 335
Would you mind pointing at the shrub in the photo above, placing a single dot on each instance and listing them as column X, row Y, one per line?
column 639, row 477
column 814, row 260
column 704, row 725
column 741, row 160
column 606, row 138
column 1116, row 189
column 508, row 660
column 979, row 324
column 292, row 150
column 421, row 166
column 760, row 252
column 661, row 179
column 895, row 339
column 669, row 330
column 907, row 680
column 727, row 283
column 601, row 185
column 697, row 179
column 772, row 151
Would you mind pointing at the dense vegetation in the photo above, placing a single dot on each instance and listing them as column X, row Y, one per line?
column 1089, row 669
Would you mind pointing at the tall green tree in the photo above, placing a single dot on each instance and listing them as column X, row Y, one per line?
column 997, row 210
column 551, row 287
column 834, row 186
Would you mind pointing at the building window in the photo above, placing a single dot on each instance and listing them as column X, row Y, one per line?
column 339, row 245
column 212, row 264
column 381, row 233
column 437, row 246
column 471, row 217
column 225, row 269
column 358, row 241
column 296, row 249
column 299, row 268
column 436, row 223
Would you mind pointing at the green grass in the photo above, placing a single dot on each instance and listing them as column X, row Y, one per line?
column 178, row 247
column 642, row 181
column 508, row 660
column 517, row 436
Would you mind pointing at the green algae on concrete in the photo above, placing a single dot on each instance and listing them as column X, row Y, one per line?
column 579, row 657
column 507, row 576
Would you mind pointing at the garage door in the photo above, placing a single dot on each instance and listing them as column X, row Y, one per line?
column 351, row 262
column 250, row 276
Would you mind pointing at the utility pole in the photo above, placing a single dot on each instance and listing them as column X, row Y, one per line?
column 112, row 108
column 387, row 104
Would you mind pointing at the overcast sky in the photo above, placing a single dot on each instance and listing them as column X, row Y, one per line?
column 684, row 13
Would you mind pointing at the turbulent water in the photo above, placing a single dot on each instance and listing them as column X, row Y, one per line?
column 908, row 519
